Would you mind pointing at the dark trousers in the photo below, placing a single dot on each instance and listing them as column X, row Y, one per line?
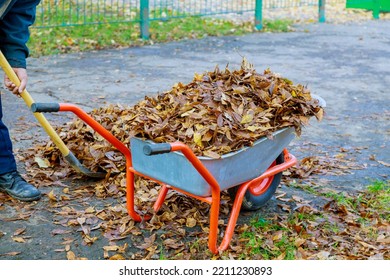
column 7, row 159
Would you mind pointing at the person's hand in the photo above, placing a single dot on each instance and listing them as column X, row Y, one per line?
column 22, row 75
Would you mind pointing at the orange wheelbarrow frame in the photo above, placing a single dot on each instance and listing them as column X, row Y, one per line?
column 254, row 185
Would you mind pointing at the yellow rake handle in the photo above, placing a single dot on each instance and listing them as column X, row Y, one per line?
column 46, row 125
column 28, row 99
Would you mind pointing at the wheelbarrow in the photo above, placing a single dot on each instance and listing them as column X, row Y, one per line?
column 251, row 175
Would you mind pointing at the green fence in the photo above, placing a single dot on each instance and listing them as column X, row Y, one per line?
column 375, row 5
column 58, row 13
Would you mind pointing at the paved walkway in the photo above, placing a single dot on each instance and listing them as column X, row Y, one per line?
column 348, row 65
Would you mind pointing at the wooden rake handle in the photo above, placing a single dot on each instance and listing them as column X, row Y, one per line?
column 68, row 155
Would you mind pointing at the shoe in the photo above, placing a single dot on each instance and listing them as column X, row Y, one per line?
column 13, row 184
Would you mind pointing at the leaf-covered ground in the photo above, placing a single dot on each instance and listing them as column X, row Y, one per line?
column 320, row 223
column 308, row 220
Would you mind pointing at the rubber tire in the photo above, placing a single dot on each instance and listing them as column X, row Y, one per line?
column 252, row 202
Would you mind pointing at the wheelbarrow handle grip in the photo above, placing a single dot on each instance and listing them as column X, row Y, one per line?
column 154, row 149
column 45, row 107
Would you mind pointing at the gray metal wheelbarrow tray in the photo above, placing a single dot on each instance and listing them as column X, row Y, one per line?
column 230, row 170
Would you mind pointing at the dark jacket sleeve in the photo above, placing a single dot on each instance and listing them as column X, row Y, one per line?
column 14, row 32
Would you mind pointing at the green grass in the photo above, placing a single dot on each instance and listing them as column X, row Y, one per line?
column 279, row 25
column 307, row 188
column 48, row 41
column 258, row 235
column 272, row 239
column 378, row 186
column 287, row 247
column 331, row 228
column 301, row 218
column 341, row 198
column 378, row 198
column 259, row 222
column 257, row 247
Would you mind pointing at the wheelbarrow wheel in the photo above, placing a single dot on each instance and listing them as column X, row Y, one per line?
column 252, row 202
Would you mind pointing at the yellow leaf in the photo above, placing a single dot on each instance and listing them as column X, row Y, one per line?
column 111, row 248
column 198, row 77
column 70, row 255
column 299, row 241
column 42, row 163
column 190, row 222
column 52, row 196
column 19, row 239
column 277, row 236
column 89, row 210
column 254, row 128
column 117, row 257
column 69, row 41
column 198, row 139
column 320, row 114
column 198, row 126
column 189, row 112
column 248, row 117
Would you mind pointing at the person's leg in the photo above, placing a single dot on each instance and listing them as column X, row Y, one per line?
column 7, row 159
column 10, row 180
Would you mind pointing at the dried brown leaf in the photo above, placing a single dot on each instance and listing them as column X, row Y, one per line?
column 19, row 239
column 70, row 255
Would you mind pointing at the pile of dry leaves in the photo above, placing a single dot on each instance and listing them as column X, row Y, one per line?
column 217, row 113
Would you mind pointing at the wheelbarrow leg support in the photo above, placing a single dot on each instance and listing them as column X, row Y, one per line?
column 290, row 160
column 160, row 198
column 215, row 191
column 214, row 200
column 233, row 217
column 214, row 217
column 130, row 195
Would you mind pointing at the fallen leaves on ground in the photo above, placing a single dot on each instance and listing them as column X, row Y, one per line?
column 10, row 254
column 344, row 226
column 354, row 228
column 329, row 165
column 358, row 230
